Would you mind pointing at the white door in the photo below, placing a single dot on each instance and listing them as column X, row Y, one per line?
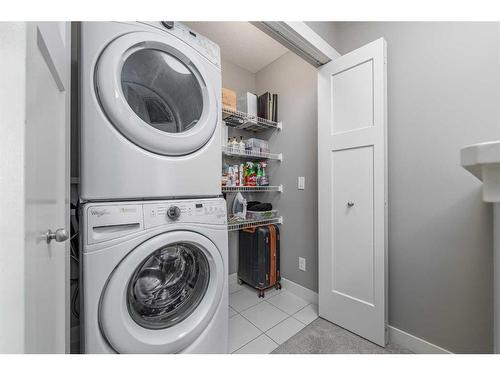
column 352, row 162
column 47, row 186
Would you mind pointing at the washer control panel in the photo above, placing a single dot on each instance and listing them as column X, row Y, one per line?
column 201, row 211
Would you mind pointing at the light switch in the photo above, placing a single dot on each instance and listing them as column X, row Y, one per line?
column 301, row 183
column 302, row 264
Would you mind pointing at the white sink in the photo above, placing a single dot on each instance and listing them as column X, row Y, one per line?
column 483, row 161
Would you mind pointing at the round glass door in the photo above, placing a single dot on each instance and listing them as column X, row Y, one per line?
column 158, row 92
column 168, row 285
column 162, row 90
column 162, row 294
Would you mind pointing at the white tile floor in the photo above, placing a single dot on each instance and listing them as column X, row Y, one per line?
column 259, row 325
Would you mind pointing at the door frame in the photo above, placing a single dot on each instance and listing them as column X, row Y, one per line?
column 315, row 42
column 56, row 55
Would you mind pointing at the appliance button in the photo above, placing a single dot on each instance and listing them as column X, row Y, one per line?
column 168, row 24
column 173, row 212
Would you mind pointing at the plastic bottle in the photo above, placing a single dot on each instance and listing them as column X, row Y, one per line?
column 259, row 175
column 241, row 175
column 241, row 145
column 230, row 177
column 236, row 175
column 264, row 181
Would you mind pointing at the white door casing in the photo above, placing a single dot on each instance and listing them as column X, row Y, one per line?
column 352, row 197
column 47, row 186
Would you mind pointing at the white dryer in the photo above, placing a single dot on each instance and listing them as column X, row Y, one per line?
column 155, row 277
column 150, row 112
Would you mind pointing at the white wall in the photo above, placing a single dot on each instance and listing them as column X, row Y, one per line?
column 443, row 93
column 12, row 127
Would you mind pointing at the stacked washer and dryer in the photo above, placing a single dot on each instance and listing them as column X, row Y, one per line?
column 153, row 223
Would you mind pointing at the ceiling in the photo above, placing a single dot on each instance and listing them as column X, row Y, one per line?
column 241, row 43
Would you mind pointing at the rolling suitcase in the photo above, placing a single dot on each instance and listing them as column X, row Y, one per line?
column 259, row 258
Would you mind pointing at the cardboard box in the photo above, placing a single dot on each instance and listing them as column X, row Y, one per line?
column 228, row 99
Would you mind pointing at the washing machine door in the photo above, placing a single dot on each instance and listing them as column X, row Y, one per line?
column 163, row 294
column 157, row 92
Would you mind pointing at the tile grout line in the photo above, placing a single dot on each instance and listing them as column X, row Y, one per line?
column 281, row 321
column 261, row 332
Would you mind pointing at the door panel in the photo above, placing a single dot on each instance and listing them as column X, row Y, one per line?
column 352, row 209
column 47, row 187
column 352, row 98
column 352, row 262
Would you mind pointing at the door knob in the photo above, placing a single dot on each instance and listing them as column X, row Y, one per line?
column 60, row 235
column 350, row 203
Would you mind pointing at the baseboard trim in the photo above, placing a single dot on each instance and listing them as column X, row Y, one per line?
column 300, row 291
column 297, row 289
column 414, row 343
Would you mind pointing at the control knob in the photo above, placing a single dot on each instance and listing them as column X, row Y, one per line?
column 168, row 24
column 173, row 212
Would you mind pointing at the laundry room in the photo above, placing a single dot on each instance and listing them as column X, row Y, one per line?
column 250, row 189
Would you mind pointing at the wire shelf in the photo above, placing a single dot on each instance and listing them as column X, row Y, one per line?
column 244, row 224
column 242, row 120
column 255, row 189
column 251, row 154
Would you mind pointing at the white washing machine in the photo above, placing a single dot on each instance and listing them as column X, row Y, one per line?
column 150, row 112
column 155, row 277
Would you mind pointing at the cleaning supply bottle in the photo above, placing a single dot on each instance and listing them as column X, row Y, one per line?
column 241, row 175
column 236, row 175
column 241, row 145
column 259, row 175
column 264, row 181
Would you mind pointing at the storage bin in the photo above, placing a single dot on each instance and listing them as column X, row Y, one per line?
column 261, row 215
column 257, row 145
column 247, row 103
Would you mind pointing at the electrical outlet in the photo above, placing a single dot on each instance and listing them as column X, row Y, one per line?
column 302, row 264
column 301, row 183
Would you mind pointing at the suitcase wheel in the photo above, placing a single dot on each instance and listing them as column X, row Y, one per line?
column 261, row 294
column 240, row 282
column 278, row 286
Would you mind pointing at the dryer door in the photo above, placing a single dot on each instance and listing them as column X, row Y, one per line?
column 163, row 294
column 157, row 92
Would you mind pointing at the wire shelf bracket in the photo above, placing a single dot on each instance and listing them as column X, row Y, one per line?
column 252, row 189
column 244, row 224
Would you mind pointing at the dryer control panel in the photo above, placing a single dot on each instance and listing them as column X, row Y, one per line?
column 200, row 43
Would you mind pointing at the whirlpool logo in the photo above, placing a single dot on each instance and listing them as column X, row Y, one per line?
column 99, row 213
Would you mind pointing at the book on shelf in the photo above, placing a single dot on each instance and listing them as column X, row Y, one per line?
column 267, row 106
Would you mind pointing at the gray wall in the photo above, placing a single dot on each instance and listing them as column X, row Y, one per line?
column 443, row 93
column 241, row 81
column 295, row 81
